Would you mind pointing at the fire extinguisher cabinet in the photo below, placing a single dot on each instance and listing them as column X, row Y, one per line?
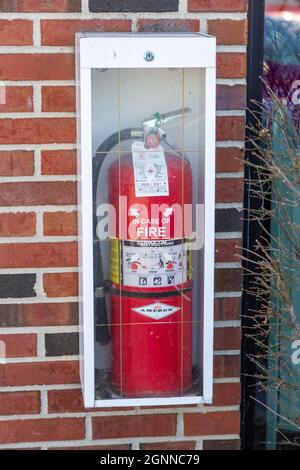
column 146, row 183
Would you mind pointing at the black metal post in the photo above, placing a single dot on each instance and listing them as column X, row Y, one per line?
column 252, row 230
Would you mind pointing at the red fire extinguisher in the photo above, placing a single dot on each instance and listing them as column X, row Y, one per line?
column 150, row 267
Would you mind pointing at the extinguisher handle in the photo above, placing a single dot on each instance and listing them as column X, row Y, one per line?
column 175, row 114
column 156, row 120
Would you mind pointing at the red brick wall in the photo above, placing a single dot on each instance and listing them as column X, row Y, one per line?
column 40, row 400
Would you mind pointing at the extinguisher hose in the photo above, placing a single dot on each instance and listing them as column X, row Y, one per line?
column 100, row 284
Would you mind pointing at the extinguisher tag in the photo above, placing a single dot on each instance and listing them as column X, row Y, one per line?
column 150, row 170
column 159, row 263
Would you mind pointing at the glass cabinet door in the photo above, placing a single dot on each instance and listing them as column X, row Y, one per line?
column 148, row 177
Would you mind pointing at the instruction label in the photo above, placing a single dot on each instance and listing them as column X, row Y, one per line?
column 150, row 170
column 161, row 263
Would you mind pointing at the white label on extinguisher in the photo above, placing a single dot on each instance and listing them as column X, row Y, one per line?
column 150, row 171
column 157, row 310
column 154, row 263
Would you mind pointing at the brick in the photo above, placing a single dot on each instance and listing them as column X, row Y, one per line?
column 228, row 308
column 231, row 65
column 229, row 220
column 71, row 401
column 39, row 373
column 227, row 366
column 17, row 225
column 23, row 345
column 38, row 194
column 38, row 430
column 58, row 99
column 58, row 162
column 176, row 445
column 37, row 67
column 47, row 314
column 134, row 426
column 197, row 424
column 231, row 128
column 37, row 6
column 17, row 286
column 61, row 284
column 217, row 5
column 60, row 223
column 65, row 401
column 227, row 250
column 226, row 394
column 227, row 338
column 38, row 255
column 15, row 32
column 16, row 99
column 231, row 97
column 16, row 163
column 168, row 25
column 229, row 190
column 62, row 32
column 223, row 444
column 132, row 5
column 19, row 403
column 62, row 344
column 233, row 32
column 229, row 159
column 37, row 131
column 228, row 279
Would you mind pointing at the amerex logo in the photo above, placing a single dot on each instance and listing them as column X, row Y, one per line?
column 157, row 311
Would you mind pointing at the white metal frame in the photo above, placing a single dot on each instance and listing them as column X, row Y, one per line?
column 104, row 50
